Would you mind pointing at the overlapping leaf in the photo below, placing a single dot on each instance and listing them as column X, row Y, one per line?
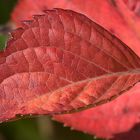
column 62, row 61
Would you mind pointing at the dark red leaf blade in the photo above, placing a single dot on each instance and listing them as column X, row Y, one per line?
column 133, row 134
column 60, row 62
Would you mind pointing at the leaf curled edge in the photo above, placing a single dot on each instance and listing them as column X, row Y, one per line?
column 62, row 61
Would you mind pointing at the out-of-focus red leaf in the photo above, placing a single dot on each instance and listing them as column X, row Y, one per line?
column 62, row 61
column 32, row 7
column 109, row 119
column 121, row 17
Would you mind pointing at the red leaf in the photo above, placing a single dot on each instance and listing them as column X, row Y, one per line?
column 121, row 21
column 115, row 16
column 62, row 61
column 109, row 119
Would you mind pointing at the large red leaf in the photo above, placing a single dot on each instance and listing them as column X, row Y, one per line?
column 109, row 119
column 121, row 17
column 62, row 61
column 117, row 18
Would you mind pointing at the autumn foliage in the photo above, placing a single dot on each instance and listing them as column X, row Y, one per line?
column 64, row 61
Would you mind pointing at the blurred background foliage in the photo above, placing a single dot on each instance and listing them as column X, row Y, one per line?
column 6, row 6
column 39, row 128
